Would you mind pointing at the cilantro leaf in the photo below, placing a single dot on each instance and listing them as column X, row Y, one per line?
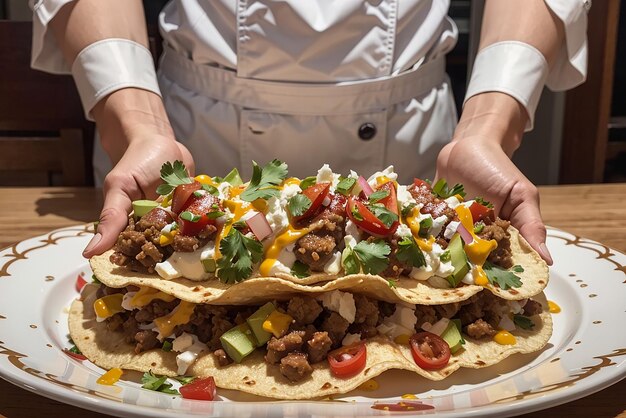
column 383, row 214
column 299, row 269
column 239, row 253
column 517, row 268
column 298, row 204
column 308, row 182
column 523, row 322
column 392, row 283
column 264, row 181
column 345, row 185
column 478, row 228
column 173, row 175
column 373, row 256
column 157, row 383
column 442, row 190
column 350, row 262
column 483, row 202
column 378, row 195
column 503, row 278
column 215, row 214
column 74, row 350
column 185, row 380
column 408, row 252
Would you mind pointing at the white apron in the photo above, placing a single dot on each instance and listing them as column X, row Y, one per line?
column 356, row 84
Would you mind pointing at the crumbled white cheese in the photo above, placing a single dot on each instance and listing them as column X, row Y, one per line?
column 387, row 172
column 184, row 264
column 451, row 229
column 326, row 175
column 182, row 342
column 404, row 196
column 126, row 301
column 517, row 306
column 469, row 277
column 403, row 231
column 333, row 265
column 402, row 322
column 438, row 223
column 340, row 302
column 189, row 347
column 184, row 360
column 353, row 232
column 284, row 262
column 453, row 202
column 169, row 227
column 223, row 190
column 276, row 215
column 350, row 339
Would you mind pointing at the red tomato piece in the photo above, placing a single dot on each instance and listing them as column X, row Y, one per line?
column 480, row 212
column 349, row 360
column 77, row 356
column 80, row 283
column 391, row 201
column 338, row 204
column 316, row 194
column 181, row 195
column 201, row 389
column 366, row 219
column 199, row 206
column 421, row 183
column 429, row 350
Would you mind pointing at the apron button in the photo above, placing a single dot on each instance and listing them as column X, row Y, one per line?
column 367, row 131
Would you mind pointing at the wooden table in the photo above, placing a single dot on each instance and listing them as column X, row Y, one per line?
column 596, row 211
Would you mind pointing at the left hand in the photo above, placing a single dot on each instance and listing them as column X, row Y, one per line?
column 477, row 159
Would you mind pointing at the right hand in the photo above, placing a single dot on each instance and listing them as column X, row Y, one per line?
column 138, row 143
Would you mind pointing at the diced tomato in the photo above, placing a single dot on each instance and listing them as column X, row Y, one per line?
column 316, row 194
column 391, row 201
column 201, row 389
column 366, row 219
column 421, row 183
column 77, row 356
column 338, row 204
column 199, row 206
column 182, row 193
column 80, row 283
column 480, row 212
column 430, row 351
column 349, row 360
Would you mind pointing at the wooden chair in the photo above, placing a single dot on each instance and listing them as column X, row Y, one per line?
column 44, row 137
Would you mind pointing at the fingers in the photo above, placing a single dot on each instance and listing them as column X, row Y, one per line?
column 113, row 218
column 523, row 205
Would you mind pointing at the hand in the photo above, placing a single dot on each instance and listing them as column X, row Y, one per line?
column 478, row 158
column 139, row 145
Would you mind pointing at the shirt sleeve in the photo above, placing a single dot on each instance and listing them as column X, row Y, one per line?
column 46, row 54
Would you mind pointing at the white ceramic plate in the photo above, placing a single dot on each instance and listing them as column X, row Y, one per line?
column 586, row 353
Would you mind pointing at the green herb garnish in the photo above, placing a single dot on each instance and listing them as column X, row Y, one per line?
column 478, row 228
column 523, row 322
column 299, row 269
column 392, row 283
column 173, row 175
column 445, row 256
column 157, row 383
column 239, row 254
column 370, row 257
column 345, row 185
column 215, row 214
column 378, row 195
column 383, row 214
column 442, row 190
column 406, row 211
column 484, row 202
column 356, row 214
column 425, row 225
column 503, row 278
column 94, row 279
column 264, row 182
column 167, row 345
column 211, row 189
column 185, row 380
column 409, row 253
column 188, row 216
column 298, row 204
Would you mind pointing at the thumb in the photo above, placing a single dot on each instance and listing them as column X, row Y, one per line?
column 113, row 220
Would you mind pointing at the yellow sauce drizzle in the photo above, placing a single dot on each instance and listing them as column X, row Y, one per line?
column 178, row 316
column 409, row 396
column 478, row 250
column 238, row 209
column 370, row 385
column 553, row 307
column 273, row 251
column 504, row 338
column 480, row 277
column 291, row 180
column 146, row 295
column 111, row 377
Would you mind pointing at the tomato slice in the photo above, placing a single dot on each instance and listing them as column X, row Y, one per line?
column 349, row 360
column 199, row 206
column 200, row 389
column 182, row 194
column 316, row 194
column 480, row 212
column 421, row 183
column 80, row 283
column 391, row 201
column 366, row 219
column 429, row 350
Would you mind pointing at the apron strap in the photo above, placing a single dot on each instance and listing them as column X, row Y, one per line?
column 302, row 98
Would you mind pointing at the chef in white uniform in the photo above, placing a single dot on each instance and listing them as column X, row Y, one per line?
column 357, row 84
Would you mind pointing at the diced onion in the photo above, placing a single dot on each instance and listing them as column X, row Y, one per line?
column 365, row 186
column 440, row 326
column 467, row 237
column 259, row 226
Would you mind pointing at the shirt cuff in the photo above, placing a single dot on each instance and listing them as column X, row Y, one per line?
column 109, row 65
column 512, row 67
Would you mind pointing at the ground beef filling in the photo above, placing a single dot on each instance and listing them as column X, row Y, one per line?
column 314, row 331
column 498, row 230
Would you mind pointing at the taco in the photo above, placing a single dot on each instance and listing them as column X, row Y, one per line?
column 427, row 242
column 305, row 342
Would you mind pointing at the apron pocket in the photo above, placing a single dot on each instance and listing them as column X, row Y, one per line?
column 306, row 142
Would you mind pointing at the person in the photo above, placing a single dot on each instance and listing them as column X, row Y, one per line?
column 358, row 84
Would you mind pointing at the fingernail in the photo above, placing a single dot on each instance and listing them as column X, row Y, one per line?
column 94, row 241
column 545, row 253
